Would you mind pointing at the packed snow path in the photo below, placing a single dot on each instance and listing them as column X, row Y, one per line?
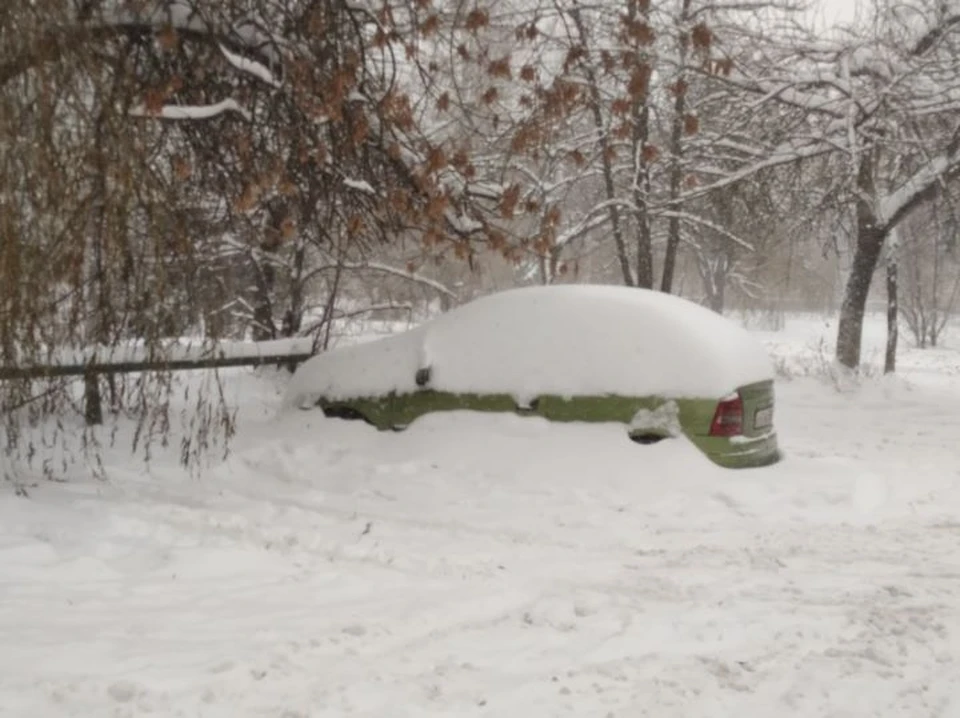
column 500, row 566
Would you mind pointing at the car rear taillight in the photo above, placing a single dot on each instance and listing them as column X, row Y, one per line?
column 728, row 418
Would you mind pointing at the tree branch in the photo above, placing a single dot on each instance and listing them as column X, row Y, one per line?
column 53, row 43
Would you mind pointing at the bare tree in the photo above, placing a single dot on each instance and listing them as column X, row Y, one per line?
column 930, row 272
column 883, row 101
column 154, row 149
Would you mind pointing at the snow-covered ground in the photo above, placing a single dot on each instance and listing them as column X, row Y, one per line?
column 502, row 566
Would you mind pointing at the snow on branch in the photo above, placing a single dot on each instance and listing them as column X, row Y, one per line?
column 920, row 185
column 463, row 224
column 411, row 276
column 581, row 228
column 192, row 112
column 251, row 67
column 785, row 154
column 239, row 43
column 186, row 18
column 360, row 186
column 172, row 355
column 393, row 271
column 809, row 95
column 936, row 33
column 694, row 219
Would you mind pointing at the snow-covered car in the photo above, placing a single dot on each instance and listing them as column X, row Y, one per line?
column 661, row 365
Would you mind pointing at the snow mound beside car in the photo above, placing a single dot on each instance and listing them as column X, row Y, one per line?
column 567, row 340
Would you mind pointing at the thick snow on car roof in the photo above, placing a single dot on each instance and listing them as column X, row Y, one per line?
column 567, row 340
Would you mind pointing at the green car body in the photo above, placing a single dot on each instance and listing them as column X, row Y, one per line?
column 756, row 446
column 391, row 382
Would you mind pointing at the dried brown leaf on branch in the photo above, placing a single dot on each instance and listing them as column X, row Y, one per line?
column 288, row 228
column 637, row 30
column 500, row 68
column 477, row 19
column 167, row 38
column 497, row 240
column 509, row 201
column 574, row 55
column 399, row 201
column 607, row 61
column 182, row 169
column 639, row 81
column 385, row 15
column 436, row 159
column 436, row 206
column 722, row 67
column 702, row 36
column 560, row 99
column 248, row 198
column 552, row 217
column 527, row 31
column 432, row 236
column 154, row 99
column 527, row 137
column 460, row 159
column 543, row 244
column 356, row 225
column 430, row 26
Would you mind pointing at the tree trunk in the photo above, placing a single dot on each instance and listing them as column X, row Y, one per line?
column 719, row 298
column 97, row 301
column 850, row 330
column 866, row 254
column 676, row 167
column 716, row 300
column 606, row 158
column 293, row 319
column 890, row 359
column 263, row 326
column 265, row 273
column 641, row 198
column 640, row 114
column 92, row 402
column 714, row 277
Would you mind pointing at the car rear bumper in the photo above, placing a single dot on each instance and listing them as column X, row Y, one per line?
column 741, row 452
